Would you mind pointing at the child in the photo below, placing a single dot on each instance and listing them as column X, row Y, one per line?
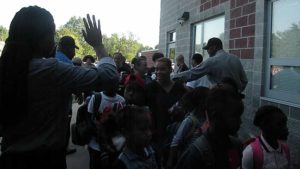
column 135, row 93
column 109, row 103
column 216, row 148
column 135, row 124
column 267, row 151
column 190, row 128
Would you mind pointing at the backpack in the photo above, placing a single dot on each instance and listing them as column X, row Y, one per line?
column 204, row 148
column 173, row 127
column 83, row 129
column 258, row 155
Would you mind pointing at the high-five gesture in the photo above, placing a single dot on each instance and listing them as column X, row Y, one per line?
column 93, row 36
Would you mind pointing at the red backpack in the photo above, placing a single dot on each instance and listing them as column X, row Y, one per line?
column 258, row 155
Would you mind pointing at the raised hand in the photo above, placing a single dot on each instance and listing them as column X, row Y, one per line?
column 92, row 33
column 93, row 36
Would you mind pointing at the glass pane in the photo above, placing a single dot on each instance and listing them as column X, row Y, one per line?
column 172, row 36
column 285, row 78
column 285, row 29
column 172, row 54
column 213, row 28
column 198, row 39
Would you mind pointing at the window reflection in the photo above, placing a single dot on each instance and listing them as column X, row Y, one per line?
column 285, row 29
column 285, row 78
column 205, row 30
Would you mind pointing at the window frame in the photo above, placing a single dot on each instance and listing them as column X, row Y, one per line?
column 279, row 95
column 171, row 44
column 202, row 24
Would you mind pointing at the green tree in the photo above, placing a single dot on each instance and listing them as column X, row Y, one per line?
column 127, row 44
column 73, row 28
column 286, row 43
column 3, row 33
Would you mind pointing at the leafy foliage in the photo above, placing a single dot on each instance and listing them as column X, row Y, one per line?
column 127, row 44
column 286, row 43
column 3, row 33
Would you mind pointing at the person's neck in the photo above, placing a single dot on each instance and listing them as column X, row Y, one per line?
column 137, row 73
column 110, row 94
column 165, row 83
column 273, row 142
column 218, row 136
column 137, row 150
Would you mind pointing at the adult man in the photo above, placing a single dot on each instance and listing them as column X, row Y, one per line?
column 65, row 53
column 180, row 64
column 197, row 59
column 35, row 129
column 218, row 66
column 66, row 49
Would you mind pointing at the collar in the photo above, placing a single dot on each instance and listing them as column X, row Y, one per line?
column 219, row 51
column 267, row 146
column 132, row 156
column 63, row 58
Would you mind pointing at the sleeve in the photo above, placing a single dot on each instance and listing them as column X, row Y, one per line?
column 183, row 129
column 247, row 160
column 77, row 79
column 193, row 159
column 118, row 164
column 195, row 72
column 191, row 84
column 91, row 104
column 243, row 78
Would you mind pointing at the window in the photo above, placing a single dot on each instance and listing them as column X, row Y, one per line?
column 283, row 54
column 205, row 30
column 171, row 45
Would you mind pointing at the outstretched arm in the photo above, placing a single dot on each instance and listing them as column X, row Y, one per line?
column 93, row 36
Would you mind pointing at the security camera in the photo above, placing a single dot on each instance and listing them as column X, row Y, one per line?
column 180, row 21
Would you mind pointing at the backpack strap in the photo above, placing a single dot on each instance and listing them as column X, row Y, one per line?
column 98, row 98
column 258, row 156
column 195, row 123
column 204, row 147
column 286, row 151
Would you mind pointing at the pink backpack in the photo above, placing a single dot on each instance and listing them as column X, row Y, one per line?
column 258, row 155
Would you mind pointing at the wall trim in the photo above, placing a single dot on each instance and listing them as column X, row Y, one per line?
column 280, row 102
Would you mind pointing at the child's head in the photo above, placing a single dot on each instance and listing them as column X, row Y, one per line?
column 111, row 90
column 272, row 121
column 224, row 110
column 163, row 69
column 195, row 99
column 135, row 93
column 135, row 124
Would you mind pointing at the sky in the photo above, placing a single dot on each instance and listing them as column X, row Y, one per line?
column 141, row 17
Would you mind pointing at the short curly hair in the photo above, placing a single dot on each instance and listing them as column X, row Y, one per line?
column 264, row 113
column 85, row 58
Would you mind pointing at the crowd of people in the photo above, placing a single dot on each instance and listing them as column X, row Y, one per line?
column 136, row 117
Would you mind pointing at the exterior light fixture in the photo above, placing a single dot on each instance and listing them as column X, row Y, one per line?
column 185, row 16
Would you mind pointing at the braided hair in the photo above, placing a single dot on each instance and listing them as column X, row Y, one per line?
column 29, row 26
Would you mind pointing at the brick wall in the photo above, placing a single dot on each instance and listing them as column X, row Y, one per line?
column 148, row 54
column 206, row 4
column 242, row 28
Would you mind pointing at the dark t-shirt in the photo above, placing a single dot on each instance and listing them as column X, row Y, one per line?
column 182, row 68
column 213, row 154
column 125, row 68
column 159, row 102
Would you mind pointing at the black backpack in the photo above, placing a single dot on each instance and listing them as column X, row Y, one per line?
column 203, row 147
column 83, row 129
